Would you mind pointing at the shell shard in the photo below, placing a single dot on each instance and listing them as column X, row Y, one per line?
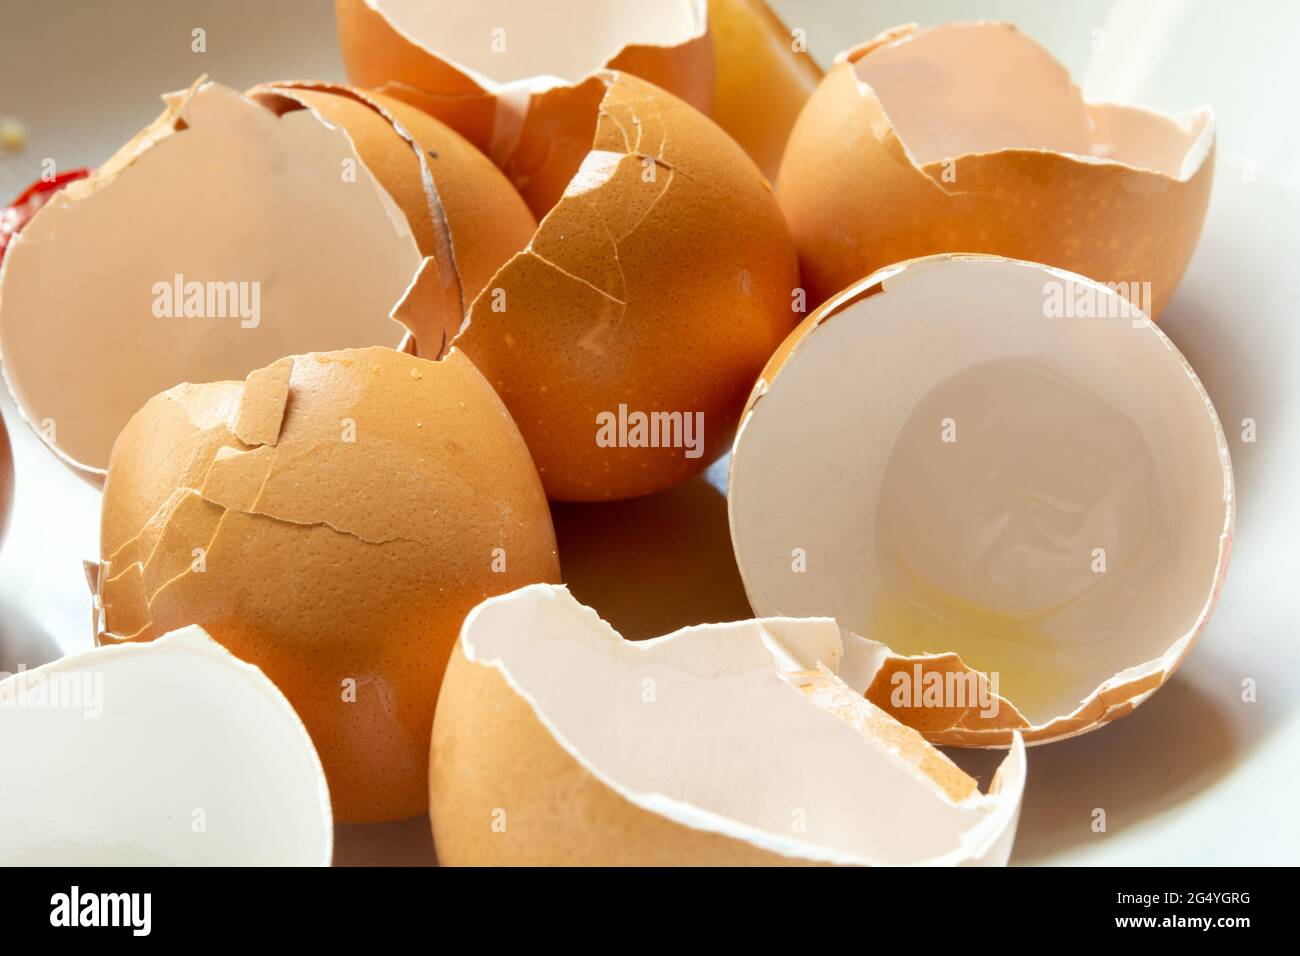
column 466, row 217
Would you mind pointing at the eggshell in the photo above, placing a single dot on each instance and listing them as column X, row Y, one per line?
column 987, row 490
column 6, row 479
column 330, row 519
column 218, row 190
column 558, row 743
column 763, row 77
column 487, row 68
column 661, row 281
column 463, row 211
column 969, row 137
column 167, row 753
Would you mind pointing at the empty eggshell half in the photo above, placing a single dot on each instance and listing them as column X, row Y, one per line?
column 221, row 238
column 970, row 137
column 332, row 519
column 1026, row 514
column 168, row 753
column 557, row 742
column 763, row 76
column 513, row 78
column 626, row 336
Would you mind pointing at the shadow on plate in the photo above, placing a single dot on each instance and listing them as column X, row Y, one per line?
column 1233, row 316
column 23, row 642
column 653, row 565
column 404, row 843
column 1145, row 764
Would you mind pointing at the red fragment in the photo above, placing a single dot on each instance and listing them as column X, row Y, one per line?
column 21, row 210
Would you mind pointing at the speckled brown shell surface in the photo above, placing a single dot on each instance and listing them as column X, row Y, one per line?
column 331, row 519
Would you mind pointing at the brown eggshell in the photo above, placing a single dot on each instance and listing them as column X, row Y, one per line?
column 519, row 777
column 331, row 519
column 466, row 788
column 247, row 212
column 489, row 221
column 992, row 537
column 554, row 137
column 1116, row 193
column 470, row 207
column 763, row 77
column 968, row 727
column 498, row 117
column 662, row 281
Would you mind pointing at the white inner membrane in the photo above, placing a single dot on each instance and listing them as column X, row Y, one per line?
column 700, row 727
column 505, row 41
column 282, row 241
column 168, row 753
column 1043, row 495
column 980, row 87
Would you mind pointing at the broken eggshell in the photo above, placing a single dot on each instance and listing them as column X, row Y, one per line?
column 81, row 357
column 331, row 519
column 970, row 137
column 722, row 744
column 168, row 753
column 990, row 470
column 464, row 213
column 763, row 76
column 648, row 300
column 515, row 79
column 231, row 232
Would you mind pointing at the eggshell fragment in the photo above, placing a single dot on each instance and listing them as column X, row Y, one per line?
column 465, row 214
column 657, row 286
column 506, row 75
column 969, row 137
column 221, row 238
column 331, row 519
column 763, row 77
column 556, row 742
column 167, row 753
column 986, row 490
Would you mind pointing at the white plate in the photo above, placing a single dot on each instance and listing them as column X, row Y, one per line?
column 1196, row 775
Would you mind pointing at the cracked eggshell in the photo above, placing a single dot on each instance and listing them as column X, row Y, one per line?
column 274, row 249
column 985, row 489
column 331, row 519
column 969, row 137
column 6, row 479
column 465, row 214
column 110, row 756
column 557, row 742
column 511, row 77
column 661, row 282
column 763, row 78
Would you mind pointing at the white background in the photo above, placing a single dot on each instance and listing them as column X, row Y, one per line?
column 1195, row 775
